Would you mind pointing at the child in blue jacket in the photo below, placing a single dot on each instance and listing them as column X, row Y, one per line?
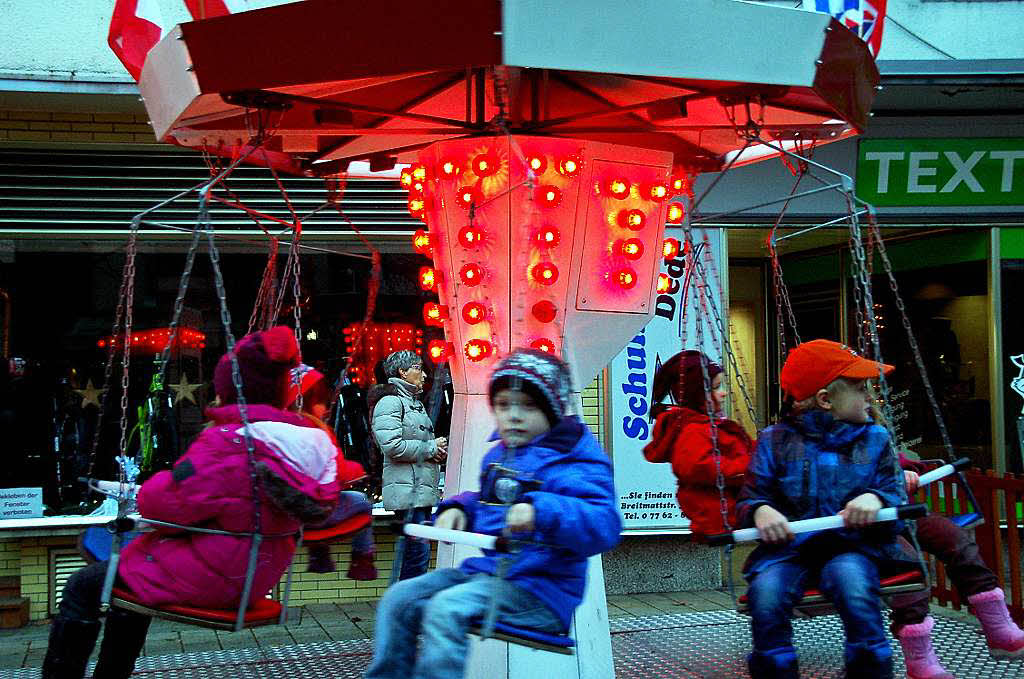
column 547, row 481
column 825, row 458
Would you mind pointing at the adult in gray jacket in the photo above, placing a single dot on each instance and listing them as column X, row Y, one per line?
column 412, row 454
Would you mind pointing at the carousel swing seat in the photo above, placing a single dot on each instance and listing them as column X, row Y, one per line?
column 524, row 636
column 340, row 531
column 265, row 611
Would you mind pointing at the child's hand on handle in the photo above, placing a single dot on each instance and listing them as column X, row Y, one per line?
column 861, row 510
column 520, row 518
column 773, row 525
column 451, row 519
column 912, row 479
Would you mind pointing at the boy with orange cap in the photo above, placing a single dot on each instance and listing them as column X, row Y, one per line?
column 824, row 458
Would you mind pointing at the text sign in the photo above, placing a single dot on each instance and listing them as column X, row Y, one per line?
column 647, row 491
column 941, row 172
column 21, row 503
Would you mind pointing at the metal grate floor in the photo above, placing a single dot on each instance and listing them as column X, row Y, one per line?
column 681, row 646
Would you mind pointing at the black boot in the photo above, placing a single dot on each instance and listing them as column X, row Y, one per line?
column 780, row 663
column 71, row 643
column 124, row 635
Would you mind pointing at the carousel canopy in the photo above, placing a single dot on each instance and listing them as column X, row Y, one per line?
column 326, row 82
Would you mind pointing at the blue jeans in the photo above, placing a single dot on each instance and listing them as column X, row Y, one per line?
column 849, row 580
column 440, row 606
column 351, row 503
column 415, row 551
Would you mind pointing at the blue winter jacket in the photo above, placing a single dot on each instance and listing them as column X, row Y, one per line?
column 567, row 477
column 811, row 465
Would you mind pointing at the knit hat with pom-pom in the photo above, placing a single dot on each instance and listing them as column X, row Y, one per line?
column 265, row 360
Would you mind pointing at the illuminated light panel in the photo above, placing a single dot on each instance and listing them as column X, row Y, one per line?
column 656, row 192
column 670, row 248
column 549, row 196
column 450, row 169
column 437, row 350
column 471, row 274
column 416, row 206
column 675, row 214
column 570, row 166
column 428, row 278
column 421, row 242
column 631, row 219
column 544, row 311
column 617, row 188
column 631, row 248
column 474, row 312
column 625, row 278
column 545, row 273
column 470, row 236
column 486, row 164
column 544, row 345
column 664, row 283
column 548, row 237
column 466, row 196
column 537, row 163
column 154, row 341
column 478, row 349
column 435, row 314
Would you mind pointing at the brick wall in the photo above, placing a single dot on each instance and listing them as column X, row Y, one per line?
column 54, row 126
column 10, row 558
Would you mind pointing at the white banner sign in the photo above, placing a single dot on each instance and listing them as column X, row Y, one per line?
column 21, row 503
column 647, row 491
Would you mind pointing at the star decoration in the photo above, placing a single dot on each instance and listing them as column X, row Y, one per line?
column 184, row 390
column 90, row 395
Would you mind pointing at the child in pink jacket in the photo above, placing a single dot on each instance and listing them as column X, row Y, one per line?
column 211, row 486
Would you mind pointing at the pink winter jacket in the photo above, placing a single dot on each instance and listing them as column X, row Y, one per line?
column 210, row 486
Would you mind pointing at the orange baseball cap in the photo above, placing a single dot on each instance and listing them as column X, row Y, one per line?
column 814, row 365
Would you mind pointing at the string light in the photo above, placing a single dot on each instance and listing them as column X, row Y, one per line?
column 625, row 277
column 631, row 248
column 570, row 165
column 474, row 312
column 664, row 283
column 549, row 196
column 657, row 191
column 435, row 314
column 471, row 274
column 486, row 164
column 450, row 169
column 437, row 350
column 421, row 242
column 618, row 188
column 670, row 248
column 470, row 236
column 631, row 219
column 537, row 163
column 428, row 278
column 676, row 212
column 477, row 349
column 545, row 273
column 548, row 237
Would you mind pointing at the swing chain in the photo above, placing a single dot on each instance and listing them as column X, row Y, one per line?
column 179, row 303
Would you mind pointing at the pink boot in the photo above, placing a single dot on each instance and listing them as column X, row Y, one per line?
column 362, row 567
column 918, row 653
column 1005, row 639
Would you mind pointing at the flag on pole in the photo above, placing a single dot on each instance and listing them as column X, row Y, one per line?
column 863, row 17
column 135, row 27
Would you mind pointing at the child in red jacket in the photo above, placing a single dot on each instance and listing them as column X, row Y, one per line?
column 316, row 397
column 683, row 436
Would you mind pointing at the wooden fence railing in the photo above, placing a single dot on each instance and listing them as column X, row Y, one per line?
column 998, row 538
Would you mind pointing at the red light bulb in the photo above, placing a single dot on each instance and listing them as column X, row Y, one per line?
column 486, row 164
column 434, row 314
column 625, row 277
column 438, row 350
column 405, row 178
column 421, row 242
column 670, row 248
column 418, row 171
column 471, row 274
column 631, row 219
column 658, row 191
column 677, row 184
column 544, row 273
column 676, row 212
column 618, row 188
column 538, row 163
column 549, row 196
column 450, row 169
column 478, row 349
column 570, row 166
column 470, row 236
column 631, row 248
column 544, row 311
column 544, row 345
column 428, row 278
column 474, row 312
column 664, row 283
column 466, row 196
column 548, row 237
column 417, row 206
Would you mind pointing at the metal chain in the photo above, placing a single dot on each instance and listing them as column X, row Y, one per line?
column 127, row 280
column 206, row 225
column 911, row 339
column 179, row 302
column 297, row 309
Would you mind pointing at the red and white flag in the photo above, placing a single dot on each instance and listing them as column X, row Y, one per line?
column 866, row 18
column 135, row 27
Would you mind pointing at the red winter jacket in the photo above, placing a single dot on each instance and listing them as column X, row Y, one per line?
column 211, row 486
column 683, row 437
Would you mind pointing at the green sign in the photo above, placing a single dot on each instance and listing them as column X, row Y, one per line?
column 941, row 172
